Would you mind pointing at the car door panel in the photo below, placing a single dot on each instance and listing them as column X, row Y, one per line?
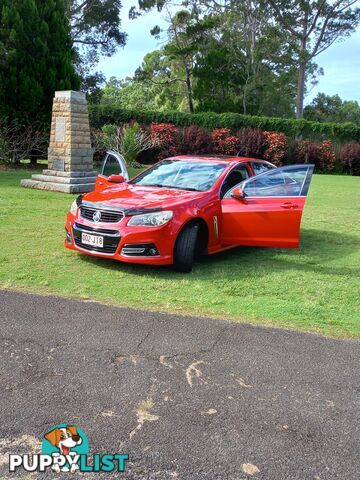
column 114, row 163
column 261, row 219
column 265, row 222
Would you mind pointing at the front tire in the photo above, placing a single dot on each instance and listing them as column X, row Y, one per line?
column 185, row 248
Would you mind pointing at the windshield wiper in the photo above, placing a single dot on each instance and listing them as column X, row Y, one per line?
column 182, row 188
column 160, row 185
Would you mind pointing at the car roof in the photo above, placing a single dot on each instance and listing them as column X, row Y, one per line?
column 216, row 158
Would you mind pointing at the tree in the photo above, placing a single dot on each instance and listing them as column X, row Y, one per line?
column 181, row 48
column 95, row 31
column 233, row 58
column 163, row 79
column 149, row 89
column 129, row 94
column 301, row 30
column 38, row 57
column 314, row 25
column 186, row 35
column 327, row 108
column 248, row 65
column 92, row 84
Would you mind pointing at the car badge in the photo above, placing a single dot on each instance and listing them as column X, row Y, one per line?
column 97, row 216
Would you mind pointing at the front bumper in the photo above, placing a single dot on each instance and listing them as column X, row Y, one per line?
column 145, row 245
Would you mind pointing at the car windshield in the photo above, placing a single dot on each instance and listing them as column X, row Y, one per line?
column 182, row 174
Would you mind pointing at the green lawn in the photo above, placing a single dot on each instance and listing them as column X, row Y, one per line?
column 315, row 288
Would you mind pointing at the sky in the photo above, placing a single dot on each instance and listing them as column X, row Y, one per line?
column 341, row 62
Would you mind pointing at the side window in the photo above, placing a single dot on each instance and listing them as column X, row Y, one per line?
column 237, row 175
column 111, row 166
column 261, row 167
column 278, row 183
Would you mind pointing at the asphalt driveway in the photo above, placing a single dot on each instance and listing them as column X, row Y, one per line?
column 186, row 398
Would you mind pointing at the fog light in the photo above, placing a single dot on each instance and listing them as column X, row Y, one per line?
column 68, row 237
column 139, row 250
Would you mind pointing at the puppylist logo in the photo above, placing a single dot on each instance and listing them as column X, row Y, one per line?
column 65, row 448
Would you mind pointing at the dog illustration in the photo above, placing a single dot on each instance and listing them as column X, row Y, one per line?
column 64, row 439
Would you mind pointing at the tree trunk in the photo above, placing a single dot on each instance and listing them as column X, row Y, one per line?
column 245, row 95
column 301, row 81
column 189, row 90
column 300, row 92
column 33, row 160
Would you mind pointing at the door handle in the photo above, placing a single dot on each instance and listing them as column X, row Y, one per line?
column 288, row 205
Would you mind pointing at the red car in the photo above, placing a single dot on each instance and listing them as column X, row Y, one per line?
column 188, row 205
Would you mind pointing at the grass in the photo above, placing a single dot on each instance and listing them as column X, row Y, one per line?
column 315, row 288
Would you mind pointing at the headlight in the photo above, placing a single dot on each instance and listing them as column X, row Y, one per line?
column 155, row 219
column 73, row 208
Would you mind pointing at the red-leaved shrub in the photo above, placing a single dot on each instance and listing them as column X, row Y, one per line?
column 326, row 156
column 305, row 151
column 196, row 140
column 276, row 144
column 165, row 137
column 322, row 155
column 223, row 142
column 252, row 142
column 350, row 158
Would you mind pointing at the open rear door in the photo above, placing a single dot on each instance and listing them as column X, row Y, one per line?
column 114, row 164
column 269, row 213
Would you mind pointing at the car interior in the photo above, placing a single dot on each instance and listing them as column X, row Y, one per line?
column 237, row 175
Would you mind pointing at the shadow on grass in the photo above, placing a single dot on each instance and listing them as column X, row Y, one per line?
column 317, row 249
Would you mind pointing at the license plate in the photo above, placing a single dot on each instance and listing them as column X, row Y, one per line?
column 93, row 240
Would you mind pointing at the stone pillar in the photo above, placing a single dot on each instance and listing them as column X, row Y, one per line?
column 70, row 156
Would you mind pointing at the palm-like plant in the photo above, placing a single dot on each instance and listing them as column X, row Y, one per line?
column 129, row 140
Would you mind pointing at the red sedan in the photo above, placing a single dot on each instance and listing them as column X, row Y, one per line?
column 188, row 205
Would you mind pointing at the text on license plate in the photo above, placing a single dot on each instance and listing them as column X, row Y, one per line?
column 93, row 240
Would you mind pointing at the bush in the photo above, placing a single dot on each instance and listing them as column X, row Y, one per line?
column 161, row 140
column 252, row 142
column 195, row 140
column 223, row 142
column 19, row 142
column 326, row 157
column 165, row 138
column 305, row 151
column 275, row 150
column 322, row 155
column 133, row 141
column 350, row 158
column 129, row 139
column 293, row 128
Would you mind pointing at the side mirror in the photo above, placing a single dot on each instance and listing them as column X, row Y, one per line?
column 116, row 179
column 238, row 193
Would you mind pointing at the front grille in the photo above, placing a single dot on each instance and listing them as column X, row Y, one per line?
column 107, row 216
column 110, row 242
column 96, row 230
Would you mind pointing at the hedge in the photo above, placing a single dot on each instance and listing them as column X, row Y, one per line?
column 342, row 132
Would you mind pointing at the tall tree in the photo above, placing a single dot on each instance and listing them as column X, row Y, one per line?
column 233, row 57
column 249, row 64
column 315, row 25
column 164, row 77
column 95, row 31
column 186, row 35
column 311, row 26
column 38, row 58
